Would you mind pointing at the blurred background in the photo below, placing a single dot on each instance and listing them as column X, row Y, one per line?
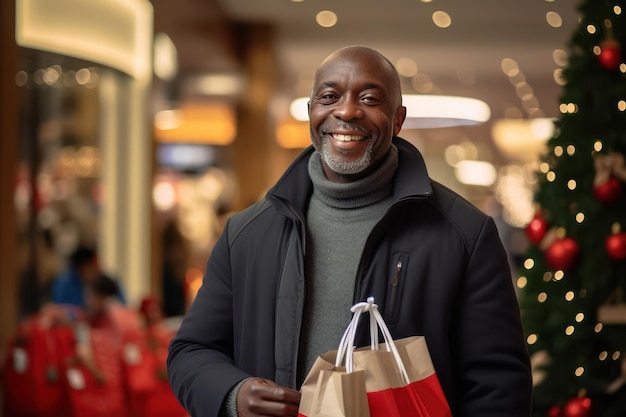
column 136, row 127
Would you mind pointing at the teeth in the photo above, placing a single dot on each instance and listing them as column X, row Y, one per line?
column 347, row 138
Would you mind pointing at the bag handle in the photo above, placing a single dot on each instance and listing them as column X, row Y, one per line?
column 346, row 345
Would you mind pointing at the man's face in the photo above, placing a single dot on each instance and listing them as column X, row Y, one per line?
column 354, row 111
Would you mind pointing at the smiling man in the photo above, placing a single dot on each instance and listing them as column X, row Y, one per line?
column 355, row 215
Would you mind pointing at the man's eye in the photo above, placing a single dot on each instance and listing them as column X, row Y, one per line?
column 370, row 100
column 327, row 96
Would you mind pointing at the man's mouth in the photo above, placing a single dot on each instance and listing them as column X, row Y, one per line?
column 346, row 138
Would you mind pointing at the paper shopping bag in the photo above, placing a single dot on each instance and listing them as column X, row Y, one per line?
column 397, row 378
column 330, row 391
column 388, row 394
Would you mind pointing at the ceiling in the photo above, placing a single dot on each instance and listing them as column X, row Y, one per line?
column 462, row 59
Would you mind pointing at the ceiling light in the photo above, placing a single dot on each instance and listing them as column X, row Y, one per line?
column 326, row 19
column 434, row 111
column 442, row 19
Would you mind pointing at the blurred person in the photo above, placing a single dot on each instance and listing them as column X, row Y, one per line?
column 355, row 215
column 69, row 285
column 176, row 257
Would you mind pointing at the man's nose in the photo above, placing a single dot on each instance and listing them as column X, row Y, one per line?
column 348, row 109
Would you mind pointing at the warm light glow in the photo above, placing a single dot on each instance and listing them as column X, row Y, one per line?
column 215, row 85
column 197, row 123
column 165, row 57
column 531, row 339
column 442, row 19
column 522, row 139
column 293, row 134
column 326, row 19
column 299, row 109
column 554, row 19
column 475, row 173
column 406, row 67
column 522, row 282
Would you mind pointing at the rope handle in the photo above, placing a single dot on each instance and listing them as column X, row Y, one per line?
column 346, row 345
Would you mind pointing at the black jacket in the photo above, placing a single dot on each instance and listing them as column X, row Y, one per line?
column 454, row 287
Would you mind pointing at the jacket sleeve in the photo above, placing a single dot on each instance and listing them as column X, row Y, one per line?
column 200, row 362
column 491, row 360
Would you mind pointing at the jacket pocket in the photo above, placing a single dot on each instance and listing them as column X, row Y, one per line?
column 397, row 275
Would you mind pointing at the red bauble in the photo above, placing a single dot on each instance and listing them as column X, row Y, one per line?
column 554, row 412
column 608, row 192
column 577, row 407
column 610, row 54
column 536, row 229
column 616, row 246
column 562, row 254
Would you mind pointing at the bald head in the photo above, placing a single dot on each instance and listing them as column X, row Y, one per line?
column 357, row 52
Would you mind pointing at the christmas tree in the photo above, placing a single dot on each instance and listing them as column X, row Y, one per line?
column 573, row 284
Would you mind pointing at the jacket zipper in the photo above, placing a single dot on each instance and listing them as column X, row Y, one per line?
column 395, row 282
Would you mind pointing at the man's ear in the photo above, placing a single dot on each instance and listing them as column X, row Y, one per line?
column 399, row 120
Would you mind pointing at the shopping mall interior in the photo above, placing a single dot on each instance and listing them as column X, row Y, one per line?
column 137, row 127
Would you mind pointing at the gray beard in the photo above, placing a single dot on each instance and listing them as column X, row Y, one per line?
column 346, row 168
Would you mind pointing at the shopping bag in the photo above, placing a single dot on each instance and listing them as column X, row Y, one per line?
column 33, row 368
column 94, row 381
column 394, row 378
column 144, row 364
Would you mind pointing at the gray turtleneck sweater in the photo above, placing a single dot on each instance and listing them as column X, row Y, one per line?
column 340, row 217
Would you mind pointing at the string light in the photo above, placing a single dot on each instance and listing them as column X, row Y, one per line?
column 603, row 355
column 551, row 176
column 597, row 146
column 579, row 371
column 522, row 282
column 569, row 296
column 529, row 263
column 558, row 150
column 571, row 184
column 532, row 339
column 542, row 297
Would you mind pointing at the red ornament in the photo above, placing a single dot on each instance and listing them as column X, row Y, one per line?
column 610, row 54
column 616, row 246
column 554, row 412
column 562, row 254
column 577, row 407
column 608, row 192
column 536, row 229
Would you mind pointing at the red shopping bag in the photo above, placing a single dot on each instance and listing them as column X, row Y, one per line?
column 33, row 369
column 95, row 387
column 394, row 379
column 144, row 363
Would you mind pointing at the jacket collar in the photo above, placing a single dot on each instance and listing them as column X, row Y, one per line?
column 411, row 179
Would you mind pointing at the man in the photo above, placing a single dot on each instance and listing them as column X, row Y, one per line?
column 355, row 215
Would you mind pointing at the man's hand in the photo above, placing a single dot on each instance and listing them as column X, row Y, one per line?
column 261, row 397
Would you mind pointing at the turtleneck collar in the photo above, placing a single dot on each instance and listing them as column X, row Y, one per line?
column 360, row 193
